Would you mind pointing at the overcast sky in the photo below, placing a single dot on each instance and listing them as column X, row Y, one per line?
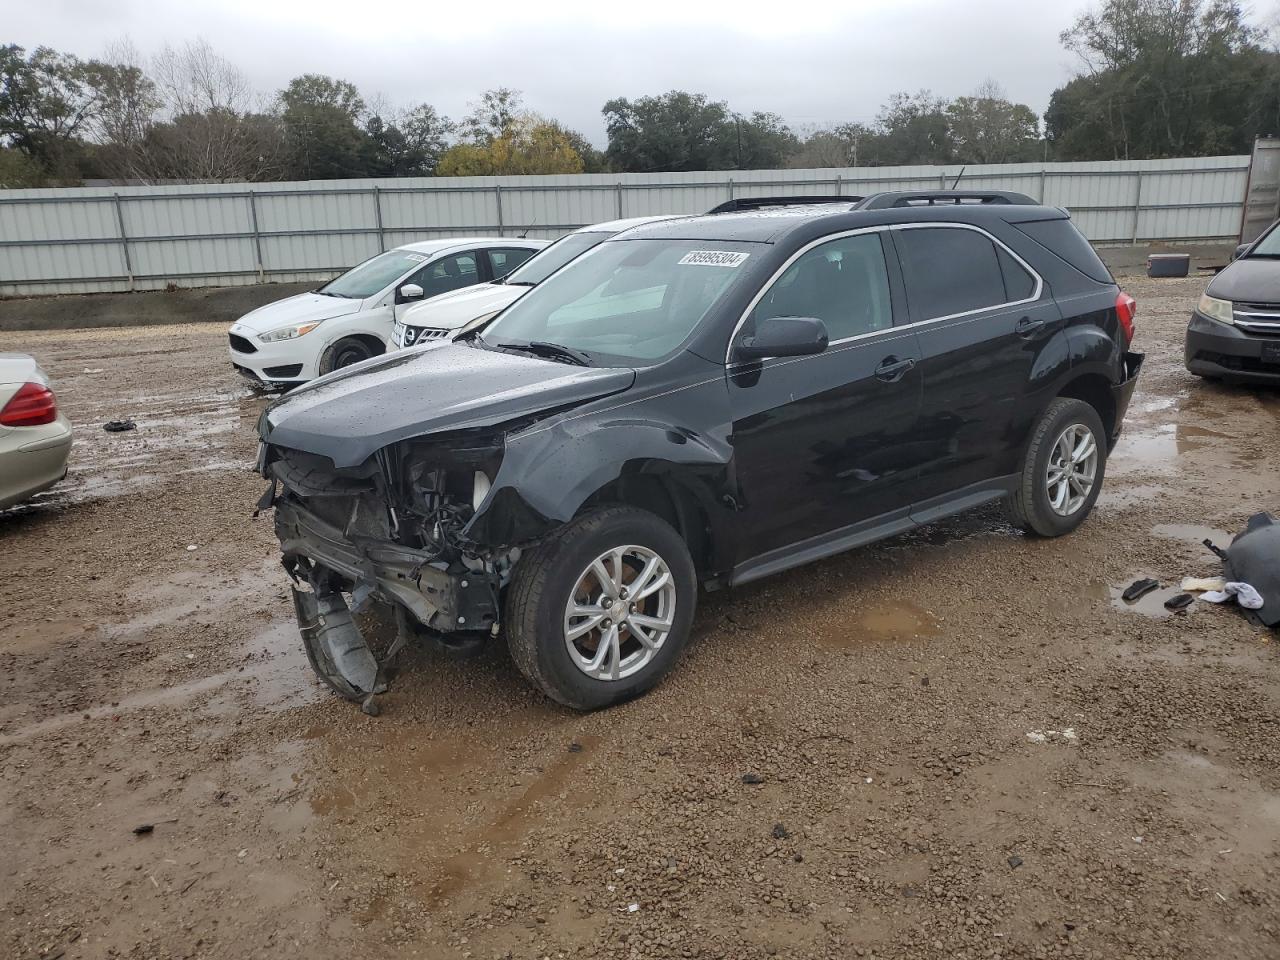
column 812, row 63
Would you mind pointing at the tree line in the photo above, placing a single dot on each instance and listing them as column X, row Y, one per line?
column 1157, row 78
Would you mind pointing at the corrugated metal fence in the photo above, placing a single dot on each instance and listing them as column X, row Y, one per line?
column 143, row 238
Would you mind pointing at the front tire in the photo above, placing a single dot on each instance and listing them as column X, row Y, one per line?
column 345, row 352
column 1062, row 470
column 599, row 611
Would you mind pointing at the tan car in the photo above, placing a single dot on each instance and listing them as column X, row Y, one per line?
column 35, row 438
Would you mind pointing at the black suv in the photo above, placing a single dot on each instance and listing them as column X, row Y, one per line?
column 699, row 401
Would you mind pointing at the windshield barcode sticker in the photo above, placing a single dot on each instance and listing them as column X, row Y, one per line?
column 416, row 257
column 714, row 258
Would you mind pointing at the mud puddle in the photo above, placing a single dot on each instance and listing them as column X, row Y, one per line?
column 274, row 675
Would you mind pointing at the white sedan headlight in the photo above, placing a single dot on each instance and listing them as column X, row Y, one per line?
column 1215, row 309
column 288, row 333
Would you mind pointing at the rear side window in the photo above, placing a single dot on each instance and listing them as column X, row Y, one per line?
column 1062, row 238
column 949, row 271
column 505, row 259
column 1018, row 284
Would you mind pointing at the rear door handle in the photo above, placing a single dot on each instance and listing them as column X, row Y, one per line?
column 891, row 369
column 1027, row 326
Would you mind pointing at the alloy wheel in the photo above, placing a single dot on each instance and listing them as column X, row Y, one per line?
column 619, row 613
column 1072, row 469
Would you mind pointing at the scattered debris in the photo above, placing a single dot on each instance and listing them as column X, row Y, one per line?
column 1139, row 589
column 191, row 546
column 1066, row 735
column 119, row 426
column 752, row 778
column 142, row 828
column 780, row 832
column 1254, row 558
column 1248, row 597
column 1015, row 862
column 93, row 369
column 1179, row 602
column 632, row 908
column 1198, row 584
column 575, row 747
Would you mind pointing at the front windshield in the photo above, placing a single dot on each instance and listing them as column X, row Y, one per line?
column 1268, row 246
column 374, row 274
column 626, row 301
column 550, row 259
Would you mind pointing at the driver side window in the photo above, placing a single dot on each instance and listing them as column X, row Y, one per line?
column 844, row 283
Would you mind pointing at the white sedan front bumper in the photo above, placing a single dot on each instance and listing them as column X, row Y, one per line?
column 282, row 363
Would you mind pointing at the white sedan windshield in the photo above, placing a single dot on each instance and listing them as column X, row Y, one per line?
column 626, row 300
column 373, row 275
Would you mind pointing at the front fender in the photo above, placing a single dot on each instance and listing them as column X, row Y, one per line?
column 679, row 436
column 549, row 472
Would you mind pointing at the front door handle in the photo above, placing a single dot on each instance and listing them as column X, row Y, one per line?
column 1027, row 327
column 891, row 369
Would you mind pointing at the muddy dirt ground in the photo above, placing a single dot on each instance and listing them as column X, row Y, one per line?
column 965, row 744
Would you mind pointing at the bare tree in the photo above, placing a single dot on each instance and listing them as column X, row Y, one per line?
column 196, row 118
column 195, row 79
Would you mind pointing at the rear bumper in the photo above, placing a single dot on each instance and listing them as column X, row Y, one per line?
column 33, row 459
column 1122, row 392
column 444, row 600
column 1216, row 349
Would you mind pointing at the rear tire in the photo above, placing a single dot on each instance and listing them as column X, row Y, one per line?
column 345, row 352
column 1062, row 469
column 600, row 610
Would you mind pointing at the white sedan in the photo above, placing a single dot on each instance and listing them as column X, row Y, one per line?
column 350, row 318
column 35, row 438
column 449, row 316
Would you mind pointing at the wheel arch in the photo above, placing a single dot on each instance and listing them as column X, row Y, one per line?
column 376, row 345
column 1097, row 390
column 669, row 500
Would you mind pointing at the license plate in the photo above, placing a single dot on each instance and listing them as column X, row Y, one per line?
column 397, row 334
column 1271, row 353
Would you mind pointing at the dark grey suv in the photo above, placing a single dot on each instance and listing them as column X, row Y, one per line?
column 698, row 403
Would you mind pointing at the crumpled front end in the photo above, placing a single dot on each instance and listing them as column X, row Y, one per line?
column 389, row 529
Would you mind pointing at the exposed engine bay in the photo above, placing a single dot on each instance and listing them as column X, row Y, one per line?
column 394, row 529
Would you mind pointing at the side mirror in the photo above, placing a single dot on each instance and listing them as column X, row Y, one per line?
column 1240, row 250
column 411, row 291
column 784, row 337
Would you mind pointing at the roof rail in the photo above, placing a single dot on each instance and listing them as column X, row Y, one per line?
column 930, row 198
column 738, row 204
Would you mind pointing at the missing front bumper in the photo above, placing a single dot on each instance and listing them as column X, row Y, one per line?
column 446, row 600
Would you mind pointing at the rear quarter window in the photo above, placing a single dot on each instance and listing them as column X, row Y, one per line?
column 1060, row 237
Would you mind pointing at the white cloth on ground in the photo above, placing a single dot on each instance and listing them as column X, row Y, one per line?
column 1249, row 598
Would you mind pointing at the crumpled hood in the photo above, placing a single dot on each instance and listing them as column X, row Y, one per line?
column 1248, row 280
column 457, row 308
column 303, row 308
column 351, row 413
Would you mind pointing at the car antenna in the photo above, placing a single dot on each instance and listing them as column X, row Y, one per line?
column 525, row 235
column 958, row 176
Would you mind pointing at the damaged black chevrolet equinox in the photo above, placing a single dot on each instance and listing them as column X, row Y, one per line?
column 702, row 401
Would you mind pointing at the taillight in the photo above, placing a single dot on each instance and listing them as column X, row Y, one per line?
column 1126, row 307
column 31, row 406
